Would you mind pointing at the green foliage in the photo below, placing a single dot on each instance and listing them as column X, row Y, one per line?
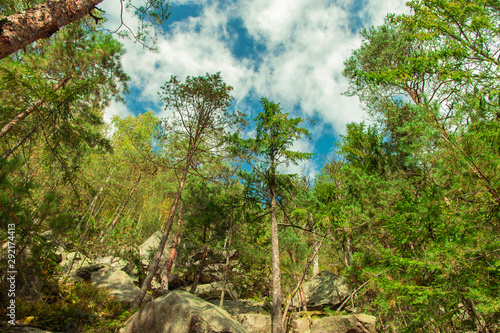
column 80, row 308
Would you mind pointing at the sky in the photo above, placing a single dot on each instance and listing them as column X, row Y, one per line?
column 289, row 51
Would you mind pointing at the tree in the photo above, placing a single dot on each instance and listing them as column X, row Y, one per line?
column 270, row 149
column 44, row 19
column 201, row 117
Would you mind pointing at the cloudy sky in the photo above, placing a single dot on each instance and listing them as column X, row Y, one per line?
column 290, row 51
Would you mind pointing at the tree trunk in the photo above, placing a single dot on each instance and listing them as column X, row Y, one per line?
column 297, row 276
column 228, row 253
column 26, row 112
column 202, row 262
column 156, row 261
column 277, row 326
column 199, row 271
column 125, row 203
column 173, row 251
column 41, row 21
column 316, row 250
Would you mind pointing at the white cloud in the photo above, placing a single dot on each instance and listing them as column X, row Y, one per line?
column 306, row 43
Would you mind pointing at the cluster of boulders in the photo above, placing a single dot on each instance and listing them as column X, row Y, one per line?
column 180, row 311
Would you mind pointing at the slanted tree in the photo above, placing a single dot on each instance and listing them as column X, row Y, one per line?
column 269, row 150
column 201, row 116
column 19, row 29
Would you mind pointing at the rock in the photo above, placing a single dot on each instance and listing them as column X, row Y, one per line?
column 325, row 289
column 213, row 290
column 235, row 307
column 120, row 285
column 80, row 261
column 255, row 323
column 85, row 272
column 114, row 262
column 181, row 312
column 149, row 247
column 358, row 323
column 300, row 325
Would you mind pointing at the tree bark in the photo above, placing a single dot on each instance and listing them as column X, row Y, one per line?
column 41, row 21
column 228, row 253
column 156, row 261
column 277, row 326
column 175, row 243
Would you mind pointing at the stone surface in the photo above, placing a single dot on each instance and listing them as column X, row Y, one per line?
column 181, row 312
column 213, row 290
column 255, row 323
column 149, row 247
column 80, row 261
column 85, row 272
column 358, row 323
column 111, row 261
column 235, row 307
column 120, row 285
column 300, row 325
column 325, row 289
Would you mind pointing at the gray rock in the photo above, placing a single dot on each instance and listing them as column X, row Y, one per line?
column 325, row 289
column 255, row 323
column 149, row 247
column 300, row 325
column 181, row 312
column 237, row 306
column 80, row 261
column 120, row 285
column 213, row 290
column 358, row 323
column 111, row 261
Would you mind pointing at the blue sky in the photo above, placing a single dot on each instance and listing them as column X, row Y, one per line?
column 289, row 51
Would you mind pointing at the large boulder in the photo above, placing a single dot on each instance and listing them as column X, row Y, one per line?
column 80, row 261
column 325, row 289
column 120, row 285
column 213, row 290
column 255, row 322
column 358, row 323
column 181, row 312
column 150, row 246
column 238, row 306
column 111, row 261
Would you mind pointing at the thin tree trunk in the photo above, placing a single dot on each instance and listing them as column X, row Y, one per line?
column 175, row 243
column 199, row 271
column 94, row 200
column 29, row 110
column 41, row 21
column 348, row 251
column 117, row 217
column 202, row 262
column 297, row 276
column 277, row 325
column 302, row 279
column 228, row 253
column 156, row 261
